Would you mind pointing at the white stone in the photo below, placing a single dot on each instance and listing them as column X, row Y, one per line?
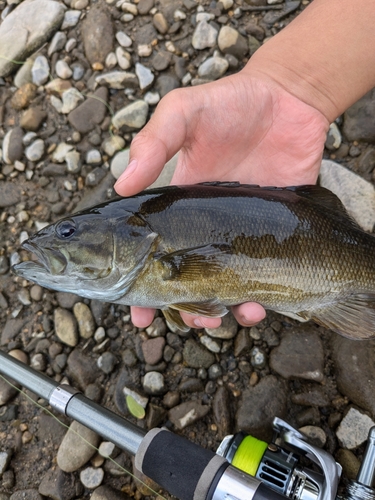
column 70, row 44
column 227, row 4
column 118, row 79
column 145, row 76
column 124, row 59
column 40, row 70
column 73, row 163
column 152, row 98
column 353, row 429
column 70, row 99
column 35, row 151
column 56, row 103
column 93, row 157
column 71, row 18
column 204, row 16
column 57, row 43
column 179, row 15
column 170, row 46
column 111, row 60
column 153, row 383
column 144, row 50
column 204, row 36
column 61, row 151
column 62, row 70
column 126, row 18
column 123, row 39
column 333, row 137
column 129, row 7
column 356, row 194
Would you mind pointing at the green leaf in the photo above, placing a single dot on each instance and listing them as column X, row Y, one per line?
column 135, row 408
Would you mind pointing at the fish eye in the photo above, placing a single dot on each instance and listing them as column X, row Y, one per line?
column 65, row 229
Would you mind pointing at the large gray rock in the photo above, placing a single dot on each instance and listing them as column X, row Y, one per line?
column 91, row 112
column 259, row 405
column 28, row 27
column 357, row 194
column 355, row 370
column 299, row 355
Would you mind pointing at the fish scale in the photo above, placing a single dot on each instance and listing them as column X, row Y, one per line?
column 206, row 247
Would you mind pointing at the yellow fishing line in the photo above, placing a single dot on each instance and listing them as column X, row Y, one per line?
column 249, row 455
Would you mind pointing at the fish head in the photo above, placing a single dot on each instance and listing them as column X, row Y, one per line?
column 88, row 254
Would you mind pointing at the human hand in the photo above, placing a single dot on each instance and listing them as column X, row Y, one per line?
column 244, row 128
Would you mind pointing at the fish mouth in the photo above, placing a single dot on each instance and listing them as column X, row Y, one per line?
column 49, row 260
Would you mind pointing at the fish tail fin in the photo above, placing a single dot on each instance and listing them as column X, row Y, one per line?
column 353, row 318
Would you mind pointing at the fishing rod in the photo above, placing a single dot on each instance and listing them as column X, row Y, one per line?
column 243, row 468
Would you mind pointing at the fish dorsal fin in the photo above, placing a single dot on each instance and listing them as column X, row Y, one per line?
column 194, row 263
column 353, row 318
column 322, row 196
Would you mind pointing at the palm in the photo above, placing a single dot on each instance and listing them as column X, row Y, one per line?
column 278, row 140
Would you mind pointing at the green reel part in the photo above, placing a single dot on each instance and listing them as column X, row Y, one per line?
column 249, row 455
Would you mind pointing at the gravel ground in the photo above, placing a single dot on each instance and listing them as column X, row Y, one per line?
column 93, row 73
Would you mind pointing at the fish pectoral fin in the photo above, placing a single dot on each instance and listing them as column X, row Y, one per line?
column 194, row 263
column 353, row 318
column 174, row 319
column 210, row 308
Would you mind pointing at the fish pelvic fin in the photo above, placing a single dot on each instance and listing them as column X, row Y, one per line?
column 174, row 319
column 353, row 318
column 209, row 308
column 194, row 263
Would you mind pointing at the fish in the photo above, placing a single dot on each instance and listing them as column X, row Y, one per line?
column 205, row 247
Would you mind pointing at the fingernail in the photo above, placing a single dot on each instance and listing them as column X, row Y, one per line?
column 198, row 323
column 127, row 172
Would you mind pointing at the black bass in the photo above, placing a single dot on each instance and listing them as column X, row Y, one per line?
column 205, row 247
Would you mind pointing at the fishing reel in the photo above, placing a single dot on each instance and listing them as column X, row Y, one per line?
column 293, row 467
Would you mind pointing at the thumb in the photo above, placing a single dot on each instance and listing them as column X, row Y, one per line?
column 154, row 145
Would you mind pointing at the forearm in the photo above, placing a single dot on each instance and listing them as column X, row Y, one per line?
column 325, row 57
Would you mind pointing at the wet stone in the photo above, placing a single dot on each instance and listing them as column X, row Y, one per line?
column 153, row 350
column 59, row 485
column 315, row 396
column 166, row 83
column 82, row 369
column 65, row 327
column 315, row 435
column 74, row 452
column 299, row 355
column 187, row 414
column 10, row 194
column 40, row 70
column 221, row 411
column 358, row 125
column 227, row 329
column 131, row 117
column 349, row 463
column 30, row 494
column 107, row 362
column 153, row 383
column 91, row 112
column 33, row 118
column 12, row 145
column 191, row 385
column 97, row 34
column 259, row 405
column 230, row 41
column 196, row 356
column 355, row 370
column 23, row 96
column 204, row 36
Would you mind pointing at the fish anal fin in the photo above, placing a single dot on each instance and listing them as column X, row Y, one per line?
column 210, row 308
column 174, row 319
column 353, row 318
column 194, row 263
